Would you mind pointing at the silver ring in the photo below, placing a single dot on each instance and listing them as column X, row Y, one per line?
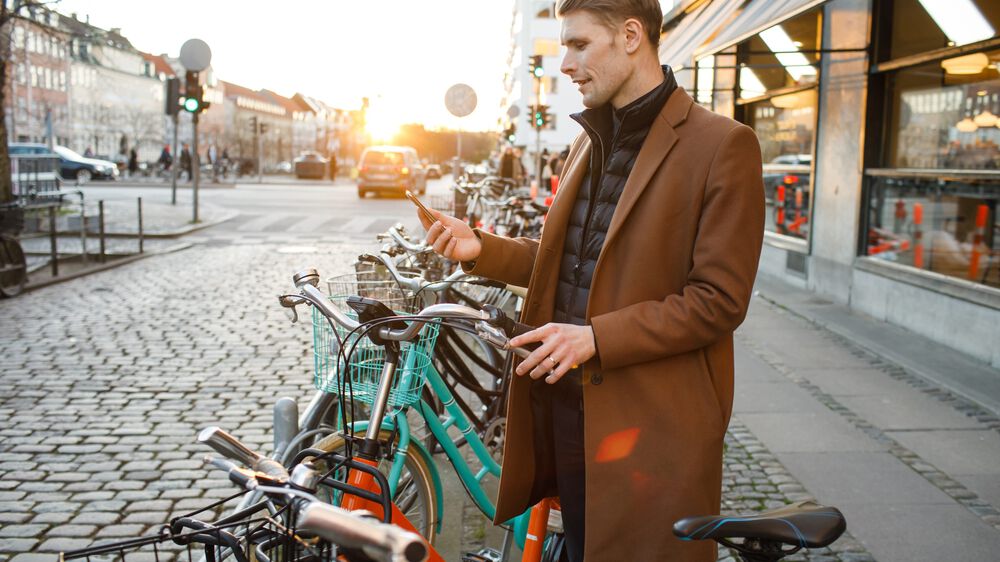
column 554, row 362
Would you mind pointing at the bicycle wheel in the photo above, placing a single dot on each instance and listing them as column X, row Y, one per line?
column 415, row 494
column 13, row 268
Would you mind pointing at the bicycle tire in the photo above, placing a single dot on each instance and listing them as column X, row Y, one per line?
column 13, row 267
column 416, row 496
column 471, row 401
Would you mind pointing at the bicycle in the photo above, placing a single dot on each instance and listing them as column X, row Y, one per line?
column 290, row 524
column 391, row 367
column 13, row 267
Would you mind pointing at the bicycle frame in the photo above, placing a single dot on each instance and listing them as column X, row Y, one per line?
column 397, row 422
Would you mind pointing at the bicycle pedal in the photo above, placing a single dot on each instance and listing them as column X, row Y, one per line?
column 482, row 555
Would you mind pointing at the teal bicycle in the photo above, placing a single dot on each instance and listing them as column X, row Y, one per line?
column 365, row 351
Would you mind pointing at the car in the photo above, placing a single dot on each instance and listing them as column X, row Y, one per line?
column 390, row 169
column 72, row 166
column 433, row 171
column 310, row 165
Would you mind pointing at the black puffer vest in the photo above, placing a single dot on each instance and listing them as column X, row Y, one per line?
column 616, row 137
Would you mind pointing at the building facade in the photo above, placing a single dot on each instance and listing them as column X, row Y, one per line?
column 878, row 128
column 535, row 31
column 38, row 100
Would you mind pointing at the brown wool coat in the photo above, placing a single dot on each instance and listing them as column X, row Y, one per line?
column 672, row 283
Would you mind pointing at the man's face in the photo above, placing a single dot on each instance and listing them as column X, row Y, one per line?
column 595, row 57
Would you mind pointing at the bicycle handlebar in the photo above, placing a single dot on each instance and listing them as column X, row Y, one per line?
column 231, row 447
column 377, row 540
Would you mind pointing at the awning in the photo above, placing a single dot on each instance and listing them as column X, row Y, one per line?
column 679, row 44
column 757, row 16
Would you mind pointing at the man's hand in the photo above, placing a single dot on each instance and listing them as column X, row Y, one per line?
column 451, row 237
column 564, row 346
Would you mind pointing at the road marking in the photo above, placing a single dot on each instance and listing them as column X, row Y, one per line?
column 310, row 224
column 260, row 223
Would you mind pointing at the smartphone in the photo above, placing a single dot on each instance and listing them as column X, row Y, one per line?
column 427, row 214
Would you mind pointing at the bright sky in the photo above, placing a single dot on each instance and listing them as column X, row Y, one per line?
column 402, row 54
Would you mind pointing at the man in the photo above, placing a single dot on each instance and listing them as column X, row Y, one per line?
column 644, row 270
column 186, row 161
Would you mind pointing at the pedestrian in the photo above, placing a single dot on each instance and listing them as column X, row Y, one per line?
column 622, row 410
column 507, row 163
column 186, row 161
column 212, row 156
column 133, row 162
column 546, row 171
column 166, row 159
column 520, row 172
column 89, row 153
column 333, row 166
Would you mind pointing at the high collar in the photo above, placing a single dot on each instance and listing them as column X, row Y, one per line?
column 637, row 115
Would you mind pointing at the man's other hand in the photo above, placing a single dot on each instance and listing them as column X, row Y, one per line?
column 451, row 237
column 564, row 347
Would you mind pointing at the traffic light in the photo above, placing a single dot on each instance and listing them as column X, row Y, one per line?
column 173, row 95
column 193, row 94
column 510, row 133
column 263, row 128
column 535, row 66
column 541, row 116
column 253, row 124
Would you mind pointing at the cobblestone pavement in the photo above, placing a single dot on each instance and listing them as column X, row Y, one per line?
column 108, row 378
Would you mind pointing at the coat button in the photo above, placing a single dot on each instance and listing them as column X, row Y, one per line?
column 596, row 379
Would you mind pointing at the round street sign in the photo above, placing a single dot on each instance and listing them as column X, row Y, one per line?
column 460, row 100
column 513, row 111
column 195, row 55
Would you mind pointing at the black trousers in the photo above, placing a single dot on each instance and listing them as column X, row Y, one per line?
column 561, row 404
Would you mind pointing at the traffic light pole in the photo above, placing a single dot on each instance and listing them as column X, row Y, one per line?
column 175, row 162
column 195, row 165
column 260, row 152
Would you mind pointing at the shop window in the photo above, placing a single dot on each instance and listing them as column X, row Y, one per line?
column 776, row 93
column 933, row 174
column 918, row 26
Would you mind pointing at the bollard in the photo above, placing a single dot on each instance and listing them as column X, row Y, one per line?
column 140, row 225
column 286, row 425
column 52, row 241
column 977, row 241
column 100, row 226
column 918, row 235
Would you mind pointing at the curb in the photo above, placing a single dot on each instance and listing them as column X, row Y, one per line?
column 227, row 216
column 105, row 267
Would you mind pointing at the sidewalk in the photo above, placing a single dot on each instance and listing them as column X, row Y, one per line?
column 894, row 430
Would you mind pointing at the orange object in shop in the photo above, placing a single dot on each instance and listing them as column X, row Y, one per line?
column 982, row 211
column 534, row 189
column 798, row 203
column 918, row 235
column 779, row 208
column 554, row 181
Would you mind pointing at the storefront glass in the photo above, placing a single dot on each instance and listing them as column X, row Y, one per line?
column 778, row 74
column 934, row 186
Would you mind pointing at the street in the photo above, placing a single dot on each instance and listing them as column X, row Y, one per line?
column 109, row 377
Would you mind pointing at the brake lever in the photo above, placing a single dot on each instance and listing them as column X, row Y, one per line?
column 292, row 314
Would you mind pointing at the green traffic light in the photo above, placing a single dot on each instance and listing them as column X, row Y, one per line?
column 191, row 105
column 539, row 72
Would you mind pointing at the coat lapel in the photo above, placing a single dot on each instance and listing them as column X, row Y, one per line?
column 658, row 143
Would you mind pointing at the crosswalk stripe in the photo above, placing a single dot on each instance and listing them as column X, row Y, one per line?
column 260, row 223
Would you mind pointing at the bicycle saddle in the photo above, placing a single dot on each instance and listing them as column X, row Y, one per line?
column 802, row 525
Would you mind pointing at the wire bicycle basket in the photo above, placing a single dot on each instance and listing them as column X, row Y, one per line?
column 363, row 368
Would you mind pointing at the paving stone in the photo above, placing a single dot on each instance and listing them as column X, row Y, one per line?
column 99, row 518
column 61, row 544
column 21, row 531
column 55, row 517
column 17, row 545
column 71, row 531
